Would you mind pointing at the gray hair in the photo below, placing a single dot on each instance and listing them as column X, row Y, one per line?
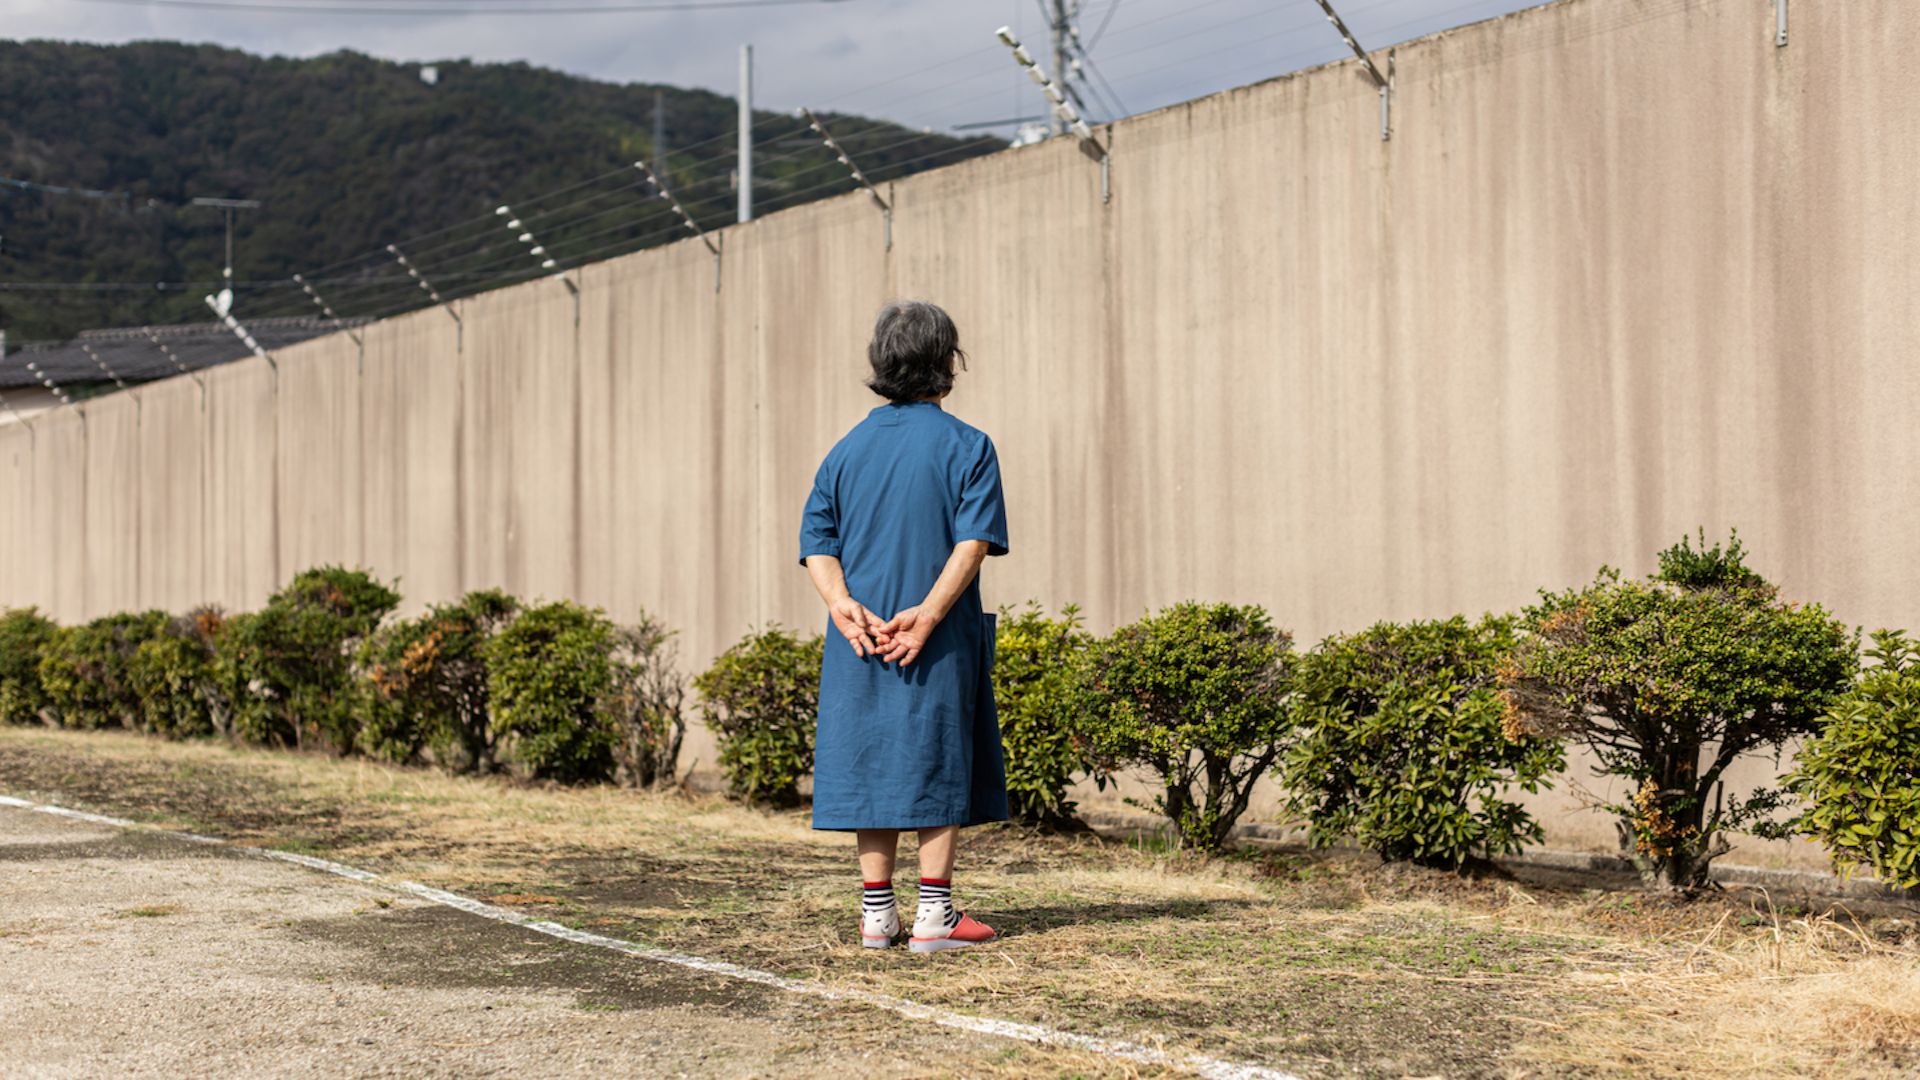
column 914, row 348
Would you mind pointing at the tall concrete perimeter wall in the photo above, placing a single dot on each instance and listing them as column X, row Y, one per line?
column 1624, row 269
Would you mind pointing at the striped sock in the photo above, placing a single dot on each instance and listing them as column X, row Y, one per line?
column 936, row 915
column 876, row 903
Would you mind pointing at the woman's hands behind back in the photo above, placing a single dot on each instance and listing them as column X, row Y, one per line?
column 857, row 624
column 902, row 637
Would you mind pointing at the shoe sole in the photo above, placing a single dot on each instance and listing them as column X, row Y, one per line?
column 942, row 944
column 876, row 942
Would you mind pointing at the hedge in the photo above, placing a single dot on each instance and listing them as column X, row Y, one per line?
column 1385, row 737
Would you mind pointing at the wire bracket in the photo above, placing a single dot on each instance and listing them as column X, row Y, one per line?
column 46, row 381
column 420, row 280
column 534, row 247
column 660, row 188
column 1062, row 108
column 102, row 365
column 240, row 332
column 174, row 359
column 1382, row 82
column 319, row 302
column 886, row 208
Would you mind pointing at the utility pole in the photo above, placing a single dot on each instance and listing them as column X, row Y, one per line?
column 229, row 206
column 746, row 133
column 658, row 151
column 1057, row 12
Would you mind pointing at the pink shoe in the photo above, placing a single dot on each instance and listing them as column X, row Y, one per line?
column 969, row 931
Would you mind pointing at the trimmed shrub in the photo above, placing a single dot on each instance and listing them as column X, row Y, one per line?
column 1401, row 746
column 644, row 705
column 289, row 665
column 1671, row 680
column 1199, row 695
column 1861, row 772
column 427, row 684
column 87, row 674
column 173, row 675
column 1038, row 693
column 24, row 636
column 761, row 699
column 549, row 673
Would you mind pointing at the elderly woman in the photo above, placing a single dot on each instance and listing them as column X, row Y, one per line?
column 903, row 511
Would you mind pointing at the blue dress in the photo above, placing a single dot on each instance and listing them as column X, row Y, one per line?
column 914, row 747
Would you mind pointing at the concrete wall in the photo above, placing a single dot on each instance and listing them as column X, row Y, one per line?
column 1624, row 269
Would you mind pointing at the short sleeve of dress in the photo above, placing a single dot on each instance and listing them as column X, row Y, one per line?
column 820, row 521
column 982, row 512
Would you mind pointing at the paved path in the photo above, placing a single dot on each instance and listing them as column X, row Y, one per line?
column 128, row 953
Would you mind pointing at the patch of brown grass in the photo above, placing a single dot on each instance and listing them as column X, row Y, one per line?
column 1322, row 963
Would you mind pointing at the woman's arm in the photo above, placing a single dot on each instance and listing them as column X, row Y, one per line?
column 850, row 616
column 903, row 636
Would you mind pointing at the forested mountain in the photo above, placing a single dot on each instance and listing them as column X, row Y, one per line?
column 348, row 153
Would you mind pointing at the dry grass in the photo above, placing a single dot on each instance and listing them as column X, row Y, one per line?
column 1817, row 995
column 1323, row 964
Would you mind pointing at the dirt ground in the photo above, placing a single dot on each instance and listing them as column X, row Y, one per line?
column 1320, row 964
column 132, row 954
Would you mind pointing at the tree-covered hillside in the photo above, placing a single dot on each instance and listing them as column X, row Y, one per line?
column 348, row 153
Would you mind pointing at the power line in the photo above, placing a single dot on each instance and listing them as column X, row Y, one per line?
column 56, row 189
column 1104, row 20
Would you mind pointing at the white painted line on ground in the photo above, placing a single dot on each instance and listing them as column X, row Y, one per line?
column 1210, row 1067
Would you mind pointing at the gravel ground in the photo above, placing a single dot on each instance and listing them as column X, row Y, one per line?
column 132, row 954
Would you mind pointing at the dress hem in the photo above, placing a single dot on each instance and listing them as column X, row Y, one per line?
column 965, row 824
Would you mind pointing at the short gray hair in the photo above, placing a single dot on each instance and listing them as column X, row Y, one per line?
column 914, row 348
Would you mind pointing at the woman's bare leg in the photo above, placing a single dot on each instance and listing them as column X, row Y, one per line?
column 937, row 850
column 877, row 850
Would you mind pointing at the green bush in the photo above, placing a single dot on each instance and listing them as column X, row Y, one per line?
column 427, row 684
column 549, row 674
column 761, row 699
column 1669, row 681
column 1401, row 746
column 644, row 705
column 1199, row 695
column 1038, row 693
column 289, row 665
column 24, row 637
column 1861, row 772
column 86, row 670
column 173, row 675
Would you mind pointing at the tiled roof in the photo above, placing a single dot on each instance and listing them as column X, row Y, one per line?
column 132, row 355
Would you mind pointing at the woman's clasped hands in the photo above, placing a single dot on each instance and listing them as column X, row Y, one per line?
column 896, row 640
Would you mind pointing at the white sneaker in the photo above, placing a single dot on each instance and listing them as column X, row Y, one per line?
column 879, row 929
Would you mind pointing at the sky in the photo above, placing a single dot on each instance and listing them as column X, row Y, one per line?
column 926, row 63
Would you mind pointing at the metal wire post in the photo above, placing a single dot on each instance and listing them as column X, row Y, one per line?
column 420, row 280
column 102, row 365
column 534, row 247
column 46, row 381
column 240, row 332
column 174, row 359
column 859, row 177
column 325, row 309
column 686, row 219
column 1063, row 110
column 1383, row 83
